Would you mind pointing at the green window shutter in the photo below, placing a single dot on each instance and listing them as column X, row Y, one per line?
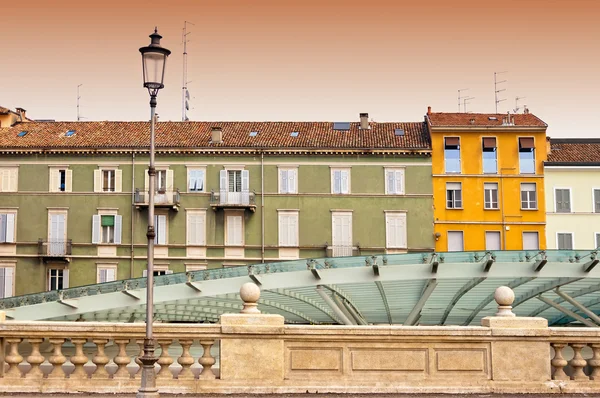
column 108, row 221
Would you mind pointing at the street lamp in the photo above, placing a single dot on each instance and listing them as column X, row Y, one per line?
column 154, row 58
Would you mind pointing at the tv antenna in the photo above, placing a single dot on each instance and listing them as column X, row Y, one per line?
column 517, row 107
column 185, row 94
column 496, row 91
column 79, row 117
column 459, row 97
column 465, row 103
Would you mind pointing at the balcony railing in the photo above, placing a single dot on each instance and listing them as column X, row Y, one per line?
column 54, row 248
column 225, row 199
column 161, row 198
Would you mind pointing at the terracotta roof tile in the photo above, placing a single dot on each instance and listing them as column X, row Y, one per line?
column 4, row 111
column 483, row 119
column 574, row 150
column 115, row 135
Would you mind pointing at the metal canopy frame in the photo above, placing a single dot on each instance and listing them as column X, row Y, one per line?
column 359, row 290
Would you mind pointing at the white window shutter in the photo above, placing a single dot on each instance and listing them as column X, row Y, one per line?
column 223, row 186
column 391, row 182
column 147, row 181
column 118, row 180
column 162, row 228
column 399, row 182
column 69, row 180
column 3, row 228
column 191, row 179
column 8, row 282
column 337, row 181
column 111, row 275
column 294, row 241
column 118, row 229
column 53, row 180
column 283, row 181
column 245, row 181
column 14, row 178
column 168, row 272
column 192, row 226
column 283, row 230
column 96, row 229
column 401, row 231
column 10, row 228
column 170, row 180
column 345, row 176
column 231, row 230
column 292, row 175
column 102, row 275
column 202, row 229
column 65, row 278
column 97, row 180
column 156, row 229
column 145, row 273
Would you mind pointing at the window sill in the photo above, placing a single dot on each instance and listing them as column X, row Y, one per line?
column 529, row 209
column 493, row 209
column 454, row 208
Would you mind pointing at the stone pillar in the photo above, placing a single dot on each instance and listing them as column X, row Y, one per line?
column 253, row 348
column 517, row 353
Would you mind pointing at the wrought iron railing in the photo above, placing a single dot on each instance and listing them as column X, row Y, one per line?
column 54, row 247
column 160, row 197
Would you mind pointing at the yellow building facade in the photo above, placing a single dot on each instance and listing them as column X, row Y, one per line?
column 488, row 181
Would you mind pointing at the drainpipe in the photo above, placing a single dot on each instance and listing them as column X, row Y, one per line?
column 132, row 210
column 262, row 206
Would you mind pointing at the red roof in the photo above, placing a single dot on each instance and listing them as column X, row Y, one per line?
column 483, row 119
column 574, row 150
column 319, row 135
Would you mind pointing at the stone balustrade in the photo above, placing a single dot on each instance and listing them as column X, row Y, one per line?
column 256, row 353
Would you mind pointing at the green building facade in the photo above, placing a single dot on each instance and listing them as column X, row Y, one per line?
column 73, row 196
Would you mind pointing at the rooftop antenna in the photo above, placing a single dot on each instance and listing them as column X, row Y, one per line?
column 465, row 103
column 517, row 107
column 459, row 97
column 496, row 91
column 78, row 97
column 185, row 94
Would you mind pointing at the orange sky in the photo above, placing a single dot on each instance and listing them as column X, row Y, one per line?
column 305, row 60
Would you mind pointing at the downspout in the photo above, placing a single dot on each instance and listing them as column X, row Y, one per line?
column 131, row 267
column 262, row 206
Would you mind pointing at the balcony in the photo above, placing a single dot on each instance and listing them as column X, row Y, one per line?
column 165, row 199
column 54, row 250
column 233, row 200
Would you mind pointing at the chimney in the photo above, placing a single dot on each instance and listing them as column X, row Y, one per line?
column 21, row 113
column 525, row 109
column 217, row 135
column 428, row 111
column 472, row 121
column 364, row 121
column 548, row 146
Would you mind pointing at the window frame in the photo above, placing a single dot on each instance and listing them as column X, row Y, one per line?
column 99, row 179
column 280, row 242
column 495, row 151
column 13, row 266
column 164, row 214
column 565, row 233
column 537, row 233
column 448, row 240
column 68, row 179
column 454, row 197
column 403, row 241
column 11, row 174
column 191, row 169
column 596, row 236
column 116, row 234
column 528, row 201
column 195, row 212
column 594, row 189
column 280, row 170
column 13, row 212
column 348, row 170
column 64, row 276
column 485, row 203
column 446, row 158
column 494, row 232
column 106, row 266
column 242, row 226
column 556, row 202
column 532, row 152
column 395, row 170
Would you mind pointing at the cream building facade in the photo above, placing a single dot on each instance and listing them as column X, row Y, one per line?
column 572, row 179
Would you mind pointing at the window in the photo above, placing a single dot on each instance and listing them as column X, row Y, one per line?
column 596, row 200
column 288, row 180
column 106, row 273
column 452, row 154
column 7, row 227
column 159, row 270
column 492, row 240
column 531, row 241
column 196, row 180
column 563, row 200
column 7, row 280
column 288, row 228
column 453, row 195
column 160, row 227
column 58, row 279
column 341, row 234
column 106, row 228
column 597, row 240
column 234, row 180
column 234, row 187
column 395, row 230
column 394, row 181
column 340, row 181
column 195, row 267
column 526, row 155
column 490, row 195
column 108, row 180
column 8, row 179
column 161, row 180
column 61, row 180
column 490, row 157
column 234, row 233
column 564, row 241
column 455, row 241
column 528, row 196
column 196, row 227
column 57, row 232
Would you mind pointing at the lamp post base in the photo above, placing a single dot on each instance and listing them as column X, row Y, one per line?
column 148, row 388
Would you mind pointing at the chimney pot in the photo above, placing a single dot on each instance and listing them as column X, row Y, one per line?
column 429, row 110
column 364, row 121
column 472, row 121
column 217, row 135
column 21, row 112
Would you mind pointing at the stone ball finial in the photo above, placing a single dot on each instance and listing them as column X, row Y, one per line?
column 250, row 293
column 504, row 296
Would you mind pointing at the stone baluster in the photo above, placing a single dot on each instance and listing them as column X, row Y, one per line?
column 186, row 360
column 13, row 359
column 140, row 343
column 35, row 359
column 559, row 362
column 165, row 360
column 79, row 359
column 594, row 362
column 578, row 363
column 206, row 360
column 100, row 359
column 122, row 360
column 57, row 359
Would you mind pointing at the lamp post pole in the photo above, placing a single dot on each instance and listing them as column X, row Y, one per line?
column 153, row 61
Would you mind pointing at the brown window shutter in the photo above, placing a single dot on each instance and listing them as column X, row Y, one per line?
column 452, row 141
column 526, row 142
column 489, row 142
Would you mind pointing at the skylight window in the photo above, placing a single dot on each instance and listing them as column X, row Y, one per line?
column 295, row 133
column 253, row 133
column 399, row 132
column 70, row 133
column 343, row 126
column 492, row 118
column 22, row 134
